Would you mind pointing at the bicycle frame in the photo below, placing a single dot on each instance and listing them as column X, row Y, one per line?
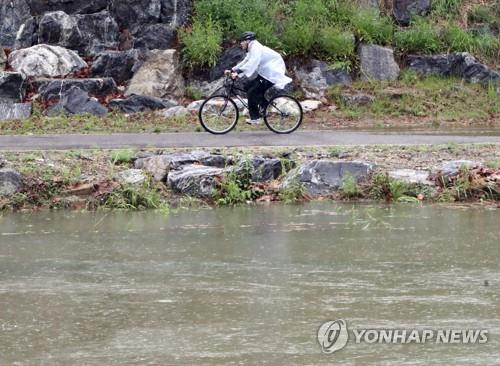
column 231, row 90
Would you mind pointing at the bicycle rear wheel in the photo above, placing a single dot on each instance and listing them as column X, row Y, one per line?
column 218, row 114
column 283, row 114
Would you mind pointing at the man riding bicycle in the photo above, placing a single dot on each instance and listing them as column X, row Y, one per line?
column 265, row 67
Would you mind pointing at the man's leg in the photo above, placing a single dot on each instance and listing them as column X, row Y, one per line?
column 253, row 93
column 257, row 89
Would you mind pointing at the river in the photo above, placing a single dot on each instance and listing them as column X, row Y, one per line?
column 247, row 285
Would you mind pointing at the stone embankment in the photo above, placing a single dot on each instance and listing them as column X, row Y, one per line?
column 87, row 181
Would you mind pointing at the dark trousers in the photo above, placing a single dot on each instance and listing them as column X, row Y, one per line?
column 256, row 89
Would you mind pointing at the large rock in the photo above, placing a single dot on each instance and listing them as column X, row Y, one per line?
column 452, row 168
column 10, row 182
column 320, row 177
column 227, row 60
column 160, row 76
column 45, row 60
column 356, row 99
column 404, row 10
column 131, row 176
column 175, row 12
column 177, row 111
column 131, row 13
column 154, row 37
column 88, row 34
column 12, row 87
column 195, row 180
column 160, row 165
column 470, row 69
column 411, row 176
column 52, row 89
column 13, row 14
column 118, row 65
column 26, row 36
column 40, row 7
column 9, row 111
column 377, row 63
column 261, row 169
column 315, row 77
column 77, row 101
column 140, row 103
column 459, row 64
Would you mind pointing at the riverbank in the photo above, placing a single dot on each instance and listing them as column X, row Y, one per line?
column 160, row 179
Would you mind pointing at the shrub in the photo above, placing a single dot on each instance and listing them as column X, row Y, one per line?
column 370, row 27
column 336, row 44
column 222, row 12
column 446, row 8
column 421, row 37
column 349, row 187
column 457, row 39
column 481, row 14
column 487, row 45
column 122, row 156
column 293, row 193
column 298, row 37
column 202, row 43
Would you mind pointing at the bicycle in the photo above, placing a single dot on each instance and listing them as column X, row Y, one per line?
column 219, row 113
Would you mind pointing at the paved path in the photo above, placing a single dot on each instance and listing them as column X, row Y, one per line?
column 194, row 139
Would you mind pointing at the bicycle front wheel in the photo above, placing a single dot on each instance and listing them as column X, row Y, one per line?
column 218, row 114
column 283, row 114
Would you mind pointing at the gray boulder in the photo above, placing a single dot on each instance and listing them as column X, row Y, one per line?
column 140, row 103
column 77, row 101
column 404, row 10
column 45, row 60
column 411, row 176
column 260, row 168
column 160, row 76
column 356, row 99
column 452, row 168
column 10, row 182
column 177, row 111
column 9, row 111
column 118, row 65
column 195, row 180
column 131, row 176
column 12, row 87
column 315, row 77
column 131, row 13
column 319, row 177
column 88, row 34
column 175, row 12
column 154, row 36
column 13, row 14
column 26, row 36
column 40, row 7
column 53, row 89
column 227, row 60
column 160, row 165
column 377, row 63
column 459, row 64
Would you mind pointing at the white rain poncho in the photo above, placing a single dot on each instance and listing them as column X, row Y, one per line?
column 266, row 62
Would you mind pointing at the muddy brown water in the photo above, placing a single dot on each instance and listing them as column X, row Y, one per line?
column 246, row 286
